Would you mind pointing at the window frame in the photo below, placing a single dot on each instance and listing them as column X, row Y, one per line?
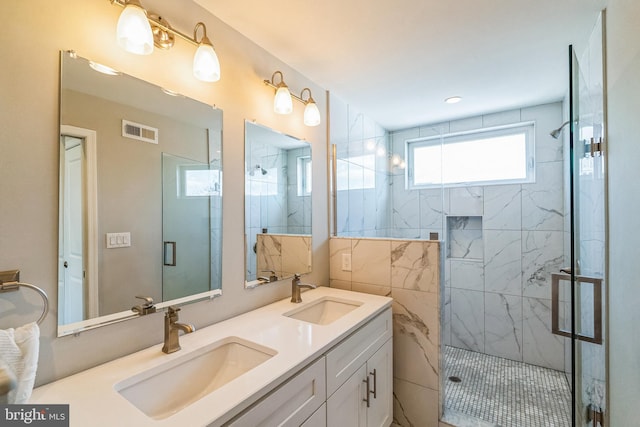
column 527, row 128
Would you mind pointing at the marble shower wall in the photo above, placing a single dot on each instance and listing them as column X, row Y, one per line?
column 500, row 244
column 409, row 272
column 363, row 180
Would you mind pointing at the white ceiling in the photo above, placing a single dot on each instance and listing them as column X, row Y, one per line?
column 397, row 60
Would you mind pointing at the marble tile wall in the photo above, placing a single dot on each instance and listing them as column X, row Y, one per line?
column 502, row 244
column 285, row 254
column 409, row 272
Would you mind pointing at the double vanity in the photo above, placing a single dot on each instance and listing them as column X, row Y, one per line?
column 325, row 361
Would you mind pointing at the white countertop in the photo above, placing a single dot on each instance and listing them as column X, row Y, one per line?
column 93, row 400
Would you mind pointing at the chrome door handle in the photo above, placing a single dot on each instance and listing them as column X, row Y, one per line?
column 597, row 307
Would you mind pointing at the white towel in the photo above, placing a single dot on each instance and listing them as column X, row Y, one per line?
column 19, row 352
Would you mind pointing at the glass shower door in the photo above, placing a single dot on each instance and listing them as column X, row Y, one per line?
column 586, row 277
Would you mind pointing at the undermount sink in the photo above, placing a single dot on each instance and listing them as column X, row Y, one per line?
column 166, row 389
column 324, row 310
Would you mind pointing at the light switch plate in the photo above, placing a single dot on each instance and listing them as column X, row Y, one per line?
column 118, row 240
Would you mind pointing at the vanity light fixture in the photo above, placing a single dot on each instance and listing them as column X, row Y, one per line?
column 103, row 69
column 311, row 112
column 138, row 31
column 283, row 104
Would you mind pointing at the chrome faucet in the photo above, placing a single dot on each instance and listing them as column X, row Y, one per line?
column 296, row 284
column 172, row 330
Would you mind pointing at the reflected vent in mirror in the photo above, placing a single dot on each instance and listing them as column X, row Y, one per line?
column 139, row 132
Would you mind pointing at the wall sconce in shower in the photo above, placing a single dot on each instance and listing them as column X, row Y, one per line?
column 283, row 104
column 138, row 31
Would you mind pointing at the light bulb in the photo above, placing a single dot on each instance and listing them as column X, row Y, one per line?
column 282, row 103
column 206, row 66
column 311, row 113
column 133, row 31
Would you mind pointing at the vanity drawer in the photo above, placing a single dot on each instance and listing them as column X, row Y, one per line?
column 345, row 359
column 291, row 403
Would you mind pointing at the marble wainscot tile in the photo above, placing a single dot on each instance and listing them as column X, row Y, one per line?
column 502, row 207
column 296, row 254
column 465, row 237
column 446, row 316
column 371, row 261
column 338, row 247
column 415, row 265
column 542, row 254
column 467, row 274
column 269, row 253
column 503, row 262
column 406, row 205
column 467, row 201
column 414, row 405
column 367, row 288
column 467, row 319
column 542, row 201
column 540, row 346
column 416, row 337
column 503, row 326
column 431, row 209
column 340, row 284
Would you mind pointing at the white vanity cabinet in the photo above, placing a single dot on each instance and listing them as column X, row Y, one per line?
column 365, row 399
column 339, row 377
column 291, row 403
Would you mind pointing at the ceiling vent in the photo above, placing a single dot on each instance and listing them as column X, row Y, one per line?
column 140, row 132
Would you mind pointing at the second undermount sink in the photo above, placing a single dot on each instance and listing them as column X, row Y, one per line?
column 324, row 310
column 166, row 389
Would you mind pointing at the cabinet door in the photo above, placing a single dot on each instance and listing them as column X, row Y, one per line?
column 380, row 371
column 318, row 419
column 290, row 404
column 346, row 407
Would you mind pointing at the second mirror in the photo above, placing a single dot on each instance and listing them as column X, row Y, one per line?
column 277, row 205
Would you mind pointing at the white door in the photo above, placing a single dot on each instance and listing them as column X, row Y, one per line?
column 73, row 225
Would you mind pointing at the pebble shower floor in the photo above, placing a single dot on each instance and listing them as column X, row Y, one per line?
column 504, row 392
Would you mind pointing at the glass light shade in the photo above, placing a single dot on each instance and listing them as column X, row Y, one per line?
column 134, row 31
column 206, row 66
column 311, row 114
column 282, row 103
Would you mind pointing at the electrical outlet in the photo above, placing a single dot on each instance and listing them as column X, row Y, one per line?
column 346, row 262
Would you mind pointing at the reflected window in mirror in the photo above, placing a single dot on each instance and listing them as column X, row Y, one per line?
column 140, row 197
column 277, row 205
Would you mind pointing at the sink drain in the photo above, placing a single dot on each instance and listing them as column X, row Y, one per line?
column 455, row 379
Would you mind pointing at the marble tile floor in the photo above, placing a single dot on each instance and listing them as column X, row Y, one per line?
column 497, row 392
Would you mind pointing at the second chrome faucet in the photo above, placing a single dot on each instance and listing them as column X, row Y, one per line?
column 296, row 284
column 172, row 330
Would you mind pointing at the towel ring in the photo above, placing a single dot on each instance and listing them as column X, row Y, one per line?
column 15, row 286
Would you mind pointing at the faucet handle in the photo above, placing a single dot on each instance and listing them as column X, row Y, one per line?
column 173, row 310
column 148, row 301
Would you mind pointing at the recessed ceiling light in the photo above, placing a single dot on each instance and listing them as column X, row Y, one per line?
column 453, row 100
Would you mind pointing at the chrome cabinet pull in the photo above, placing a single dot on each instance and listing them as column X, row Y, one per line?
column 366, row 399
column 375, row 386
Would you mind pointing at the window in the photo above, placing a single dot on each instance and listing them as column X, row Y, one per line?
column 199, row 181
column 501, row 155
column 304, row 175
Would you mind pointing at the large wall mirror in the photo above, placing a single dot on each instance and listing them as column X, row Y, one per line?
column 277, row 205
column 140, row 196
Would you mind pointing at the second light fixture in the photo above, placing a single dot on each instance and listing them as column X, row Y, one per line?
column 283, row 100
